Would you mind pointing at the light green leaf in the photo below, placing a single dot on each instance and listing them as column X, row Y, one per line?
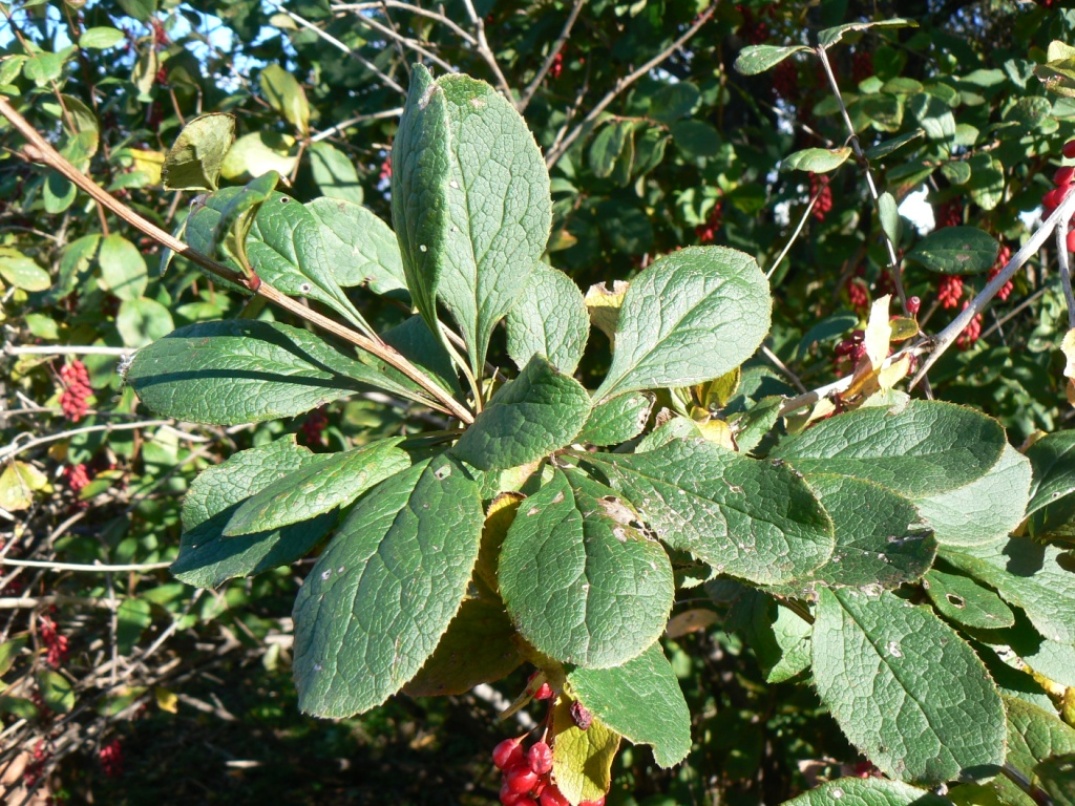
column 1027, row 575
column 549, row 319
column 470, row 227
column 956, row 250
column 641, row 700
column 918, row 449
column 21, row 271
column 1034, row 736
column 100, row 38
column 56, row 692
column 906, row 689
column 883, row 149
column 879, row 541
column 744, row 517
column 581, row 759
column 966, row 602
column 817, row 160
column 59, row 194
column 867, row 792
column 412, row 339
column 382, row 594
column 690, row 317
column 934, row 116
column 334, row 173
column 983, row 511
column 581, row 583
column 1053, row 461
column 832, row 36
column 779, row 638
column 889, row 213
column 142, row 321
column 528, row 418
column 133, row 618
column 244, row 371
column 329, row 481
column 259, row 152
column 617, row 420
column 360, row 248
column 195, row 160
column 286, row 96
column 755, row 59
column 123, row 269
column 207, row 558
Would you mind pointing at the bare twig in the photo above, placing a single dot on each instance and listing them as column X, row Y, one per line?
column 559, row 149
column 98, row 568
column 774, row 359
column 484, row 50
column 67, row 349
column 406, row 42
column 528, row 93
column 339, row 127
column 358, row 8
column 19, row 447
column 795, row 235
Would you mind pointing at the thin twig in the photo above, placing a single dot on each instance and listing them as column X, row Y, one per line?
column 48, row 565
column 339, row 127
column 67, row 349
column 1014, row 312
column 795, row 235
column 17, row 448
column 774, row 359
column 561, row 148
column 484, row 50
column 358, row 8
column 406, row 42
column 557, row 46
column 946, row 337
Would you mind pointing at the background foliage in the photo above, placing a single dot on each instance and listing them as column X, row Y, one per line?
column 132, row 686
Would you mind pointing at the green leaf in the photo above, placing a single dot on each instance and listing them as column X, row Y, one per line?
column 867, row 792
column 1052, row 459
column 889, row 213
column 56, row 692
column 359, row 247
column 617, row 420
column 1034, row 736
column 9, row 650
column 143, row 321
column 581, row 759
column 817, row 160
column 906, row 690
column 755, row 59
column 934, row 116
column 477, row 648
column 832, row 36
column 237, row 217
column 470, row 228
column 779, row 638
column 329, row 481
column 286, row 96
column 674, row 101
column 1057, row 776
column 956, row 250
column 259, row 152
column 1027, row 575
column 549, row 319
column 382, row 594
column 195, row 160
column 744, row 517
column 641, row 700
column 690, row 317
column 989, row 184
column 123, row 269
column 59, row 193
column 100, row 38
column 334, row 173
column 966, row 602
column 133, row 618
column 607, row 146
column 528, row 418
column 983, row 511
column 412, row 339
column 21, row 271
column 879, row 544
column 243, row 371
column 207, row 558
column 887, row 147
column 697, row 140
column 581, row 583
column 919, row 449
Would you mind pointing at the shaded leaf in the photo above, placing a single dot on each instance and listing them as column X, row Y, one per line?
column 549, row 319
column 956, row 250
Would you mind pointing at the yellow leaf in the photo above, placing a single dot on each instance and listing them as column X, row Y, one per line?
column 148, row 162
column 166, row 699
column 18, row 483
column 498, row 518
column 603, row 304
column 581, row 759
column 878, row 331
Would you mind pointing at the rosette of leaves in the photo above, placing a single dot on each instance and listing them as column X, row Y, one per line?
column 543, row 525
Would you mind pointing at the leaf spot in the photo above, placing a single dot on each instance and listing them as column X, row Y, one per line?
column 955, row 601
column 305, row 288
column 442, row 473
column 894, row 649
column 284, row 200
column 326, row 574
column 837, row 793
column 423, row 248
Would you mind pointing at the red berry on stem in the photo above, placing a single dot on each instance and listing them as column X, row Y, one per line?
column 540, row 758
column 1054, row 197
column 544, row 692
column 1071, row 241
column 520, row 778
column 914, row 304
column 950, row 290
column 599, row 802
column 508, row 796
column 551, row 796
column 1063, row 175
column 1069, row 149
column 508, row 753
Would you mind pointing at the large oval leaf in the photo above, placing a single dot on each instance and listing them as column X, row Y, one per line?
column 690, row 317
column 956, row 250
column 380, row 597
column 550, row 319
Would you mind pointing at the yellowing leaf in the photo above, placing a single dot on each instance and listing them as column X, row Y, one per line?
column 151, row 163
column 603, row 304
column 497, row 520
column 166, row 699
column 18, row 483
column 878, row 331
column 581, row 759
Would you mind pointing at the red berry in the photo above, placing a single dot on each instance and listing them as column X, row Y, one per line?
column 552, row 797
column 520, row 778
column 581, row 714
column 540, row 758
column 971, row 332
column 1056, row 196
column 509, row 797
column 1071, row 241
column 914, row 304
column 544, row 692
column 599, row 802
column 1063, row 175
column 1069, row 149
column 508, row 753
column 950, row 290
column 819, row 185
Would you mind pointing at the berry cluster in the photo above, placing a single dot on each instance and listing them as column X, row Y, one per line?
column 1003, row 256
column 557, row 66
column 707, row 232
column 386, row 170
column 76, row 477
column 857, row 293
column 853, row 347
column 76, row 390
column 754, row 30
column 314, row 426
column 56, row 644
column 971, row 332
column 950, row 214
column 36, row 768
column 950, row 290
column 528, row 775
column 111, row 758
column 819, row 186
column 1063, row 179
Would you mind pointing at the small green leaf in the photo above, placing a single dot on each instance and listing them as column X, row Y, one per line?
column 259, row 152
column 1052, row 459
column 244, row 371
column 883, row 149
column 607, row 146
column 934, row 116
column 956, row 250
column 329, row 481
column 1035, row 736
column 746, row 518
column 21, row 271
column 9, row 650
column 286, row 96
column 889, row 214
column 237, row 217
column 755, row 59
column 359, row 247
column 581, row 759
column 528, row 418
column 207, row 558
column 380, row 597
column 690, row 317
column 1057, row 776
column 617, row 420
column 123, row 269
column 919, row 449
column 641, row 700
column 195, row 160
column 696, row 139
column 143, row 321
column 966, row 602
column 867, row 792
column 581, row 583
column 906, row 689
column 674, row 101
column 549, row 319
column 817, row 160
column 334, row 173
column 56, row 692
column 779, row 638
column 832, row 36
column 101, row 38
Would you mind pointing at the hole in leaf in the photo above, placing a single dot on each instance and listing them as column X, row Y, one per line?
column 955, row 601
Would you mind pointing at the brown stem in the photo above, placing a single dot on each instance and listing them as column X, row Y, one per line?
column 39, row 150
